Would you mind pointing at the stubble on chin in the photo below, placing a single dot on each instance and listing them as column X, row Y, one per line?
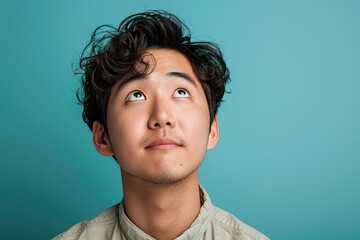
column 160, row 178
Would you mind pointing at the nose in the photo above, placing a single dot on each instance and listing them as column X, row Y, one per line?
column 161, row 115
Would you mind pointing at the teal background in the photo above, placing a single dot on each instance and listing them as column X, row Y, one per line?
column 288, row 161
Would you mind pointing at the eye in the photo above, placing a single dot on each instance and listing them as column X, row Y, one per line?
column 135, row 96
column 181, row 93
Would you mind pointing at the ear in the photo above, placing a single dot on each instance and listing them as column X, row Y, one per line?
column 214, row 134
column 101, row 140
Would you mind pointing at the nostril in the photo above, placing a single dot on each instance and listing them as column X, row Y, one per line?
column 157, row 125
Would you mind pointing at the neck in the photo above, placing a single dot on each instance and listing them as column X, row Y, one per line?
column 163, row 211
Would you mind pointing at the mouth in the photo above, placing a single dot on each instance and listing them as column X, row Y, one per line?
column 163, row 144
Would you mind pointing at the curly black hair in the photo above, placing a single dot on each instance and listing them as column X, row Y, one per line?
column 112, row 53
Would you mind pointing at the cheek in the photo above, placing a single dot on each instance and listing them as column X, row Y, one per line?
column 197, row 126
column 125, row 133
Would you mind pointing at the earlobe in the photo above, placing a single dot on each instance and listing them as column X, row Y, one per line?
column 101, row 140
column 214, row 134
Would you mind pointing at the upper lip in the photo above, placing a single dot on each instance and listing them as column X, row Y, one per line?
column 162, row 141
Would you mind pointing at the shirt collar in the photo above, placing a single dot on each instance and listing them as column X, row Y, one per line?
column 197, row 228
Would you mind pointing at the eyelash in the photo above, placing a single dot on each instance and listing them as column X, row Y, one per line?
column 130, row 95
column 182, row 89
column 134, row 92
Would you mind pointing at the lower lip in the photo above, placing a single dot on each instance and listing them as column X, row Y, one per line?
column 163, row 146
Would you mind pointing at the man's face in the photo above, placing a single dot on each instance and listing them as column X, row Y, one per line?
column 158, row 124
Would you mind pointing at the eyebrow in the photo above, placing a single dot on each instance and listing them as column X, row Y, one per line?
column 182, row 75
column 139, row 77
column 135, row 77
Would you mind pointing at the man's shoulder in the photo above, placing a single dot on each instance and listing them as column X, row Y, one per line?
column 99, row 224
column 229, row 224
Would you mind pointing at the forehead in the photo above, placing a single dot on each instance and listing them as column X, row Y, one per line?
column 159, row 62
column 160, row 59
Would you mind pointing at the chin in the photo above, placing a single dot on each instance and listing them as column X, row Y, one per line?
column 169, row 178
column 165, row 180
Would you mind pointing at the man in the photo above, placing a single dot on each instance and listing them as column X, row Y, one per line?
column 150, row 98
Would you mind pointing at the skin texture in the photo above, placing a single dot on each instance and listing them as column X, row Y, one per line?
column 158, row 129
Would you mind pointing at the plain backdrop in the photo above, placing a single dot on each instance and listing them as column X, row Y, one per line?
column 288, row 161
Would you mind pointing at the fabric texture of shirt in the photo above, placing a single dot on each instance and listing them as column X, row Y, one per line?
column 211, row 223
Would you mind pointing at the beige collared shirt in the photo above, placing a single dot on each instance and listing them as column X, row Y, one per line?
column 211, row 223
